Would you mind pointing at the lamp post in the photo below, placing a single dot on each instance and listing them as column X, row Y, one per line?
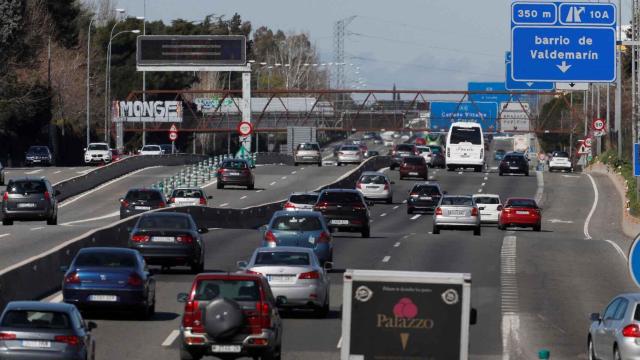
column 88, row 125
column 106, row 80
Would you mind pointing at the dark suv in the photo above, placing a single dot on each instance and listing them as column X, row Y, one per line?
column 29, row 199
column 401, row 151
column 424, row 196
column 140, row 200
column 344, row 210
column 235, row 172
column 514, row 163
column 36, row 155
column 230, row 316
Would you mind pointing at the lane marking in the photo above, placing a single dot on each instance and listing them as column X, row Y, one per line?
column 273, row 183
column 386, row 259
column 482, row 184
column 486, row 178
column 479, row 190
column 57, row 298
column 244, row 197
column 395, row 207
column 259, row 191
column 593, row 208
column 396, row 244
column 540, row 190
column 406, row 236
column 211, row 183
column 415, row 216
column 404, row 201
column 224, row 204
column 107, row 216
column 459, row 172
column 57, row 172
column 509, row 297
column 87, row 193
column 294, row 172
column 618, row 249
column 37, row 228
column 33, row 172
column 383, row 214
column 4, row 235
column 171, row 338
column 284, row 178
column 339, row 343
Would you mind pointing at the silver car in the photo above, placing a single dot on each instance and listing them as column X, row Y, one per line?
column 301, row 201
column 350, row 154
column 614, row 334
column 294, row 273
column 307, row 153
column 457, row 212
column 375, row 186
column 188, row 196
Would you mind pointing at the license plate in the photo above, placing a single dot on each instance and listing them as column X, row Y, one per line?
column 226, row 348
column 522, row 212
column 307, row 157
column 38, row 344
column 280, row 278
column 513, row 167
column 26, row 205
column 426, row 198
column 36, row 160
column 340, row 222
column 456, row 212
column 163, row 239
column 143, row 207
column 413, row 173
column 110, row 298
column 372, row 187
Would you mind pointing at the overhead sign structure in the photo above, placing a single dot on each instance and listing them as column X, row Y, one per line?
column 563, row 42
column 444, row 113
column 147, row 111
column 572, row 86
column 197, row 52
column 511, row 84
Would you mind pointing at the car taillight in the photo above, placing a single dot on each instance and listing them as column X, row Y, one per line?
column 394, row 152
column 270, row 238
column 134, row 280
column 253, row 272
column 386, row 186
column 5, row 197
column 289, row 205
column 47, row 196
column 324, row 238
column 474, row 211
column 416, row 153
column 632, row 330
column 192, row 317
column 311, row 275
column 438, row 211
column 220, row 171
column 507, row 210
column 162, row 204
column 72, row 278
column 7, row 336
column 67, row 339
column 358, row 185
column 265, row 314
column 203, row 201
column 322, row 206
column 414, row 194
column 184, row 239
column 140, row 238
column 125, row 203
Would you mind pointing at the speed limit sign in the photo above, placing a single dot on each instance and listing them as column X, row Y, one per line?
column 245, row 128
column 598, row 124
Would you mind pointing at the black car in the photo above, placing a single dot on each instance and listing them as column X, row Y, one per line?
column 38, row 155
column 169, row 239
column 437, row 157
column 138, row 201
column 1, row 174
column 514, row 163
column 235, row 172
column 29, row 199
column 344, row 210
column 401, row 151
column 424, row 196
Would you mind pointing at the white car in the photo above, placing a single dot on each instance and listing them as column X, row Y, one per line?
column 490, row 207
column 375, row 186
column 151, row 150
column 388, row 143
column 187, row 196
column 560, row 161
column 350, row 154
column 97, row 153
column 425, row 152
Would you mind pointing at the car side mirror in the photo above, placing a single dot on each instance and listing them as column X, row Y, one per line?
column 328, row 265
column 281, row 300
column 183, row 297
column 64, row 269
column 209, row 197
column 203, row 230
column 499, row 207
column 91, row 325
column 595, row 317
column 242, row 265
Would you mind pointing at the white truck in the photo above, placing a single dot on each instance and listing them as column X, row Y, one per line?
column 406, row 315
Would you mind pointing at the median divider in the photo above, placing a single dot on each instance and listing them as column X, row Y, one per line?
column 40, row 276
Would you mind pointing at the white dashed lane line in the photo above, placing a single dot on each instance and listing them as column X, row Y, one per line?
column 273, row 183
column 33, row 172
column 396, row 244
column 284, row 178
column 460, row 173
column 37, row 228
column 223, row 205
column 171, row 338
column 480, row 190
column 486, row 178
column 415, row 216
column 4, row 235
column 57, row 172
column 404, row 201
column 395, row 207
column 294, row 172
column 259, row 191
column 386, row 259
column 244, row 197
column 482, row 184
column 383, row 214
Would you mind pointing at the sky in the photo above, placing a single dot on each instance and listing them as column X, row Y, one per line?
column 415, row 44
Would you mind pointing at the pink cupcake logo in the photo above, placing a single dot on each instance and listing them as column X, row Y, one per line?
column 405, row 308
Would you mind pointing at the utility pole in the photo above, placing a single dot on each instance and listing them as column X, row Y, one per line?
column 144, row 73
column 618, row 97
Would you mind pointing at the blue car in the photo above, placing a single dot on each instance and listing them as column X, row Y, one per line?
column 111, row 279
column 306, row 229
column 499, row 155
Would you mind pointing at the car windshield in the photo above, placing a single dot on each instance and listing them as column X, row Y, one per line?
column 457, row 201
column 27, row 187
column 487, row 200
column 308, row 147
column 435, row 149
column 238, row 290
column 282, row 258
column 147, row 195
column 296, row 223
column 99, row 147
column 466, row 135
column 187, row 193
column 404, row 147
column 563, row 154
column 236, row 165
column 424, row 149
column 34, row 319
column 341, row 197
column 428, row 190
column 105, row 259
column 164, row 222
column 40, row 150
column 526, row 203
column 151, row 148
column 306, row 199
column 500, row 152
column 414, row 160
column 373, row 179
column 350, row 148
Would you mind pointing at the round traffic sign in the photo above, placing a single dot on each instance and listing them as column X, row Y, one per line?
column 588, row 142
column 598, row 124
column 173, row 136
column 245, row 128
column 634, row 261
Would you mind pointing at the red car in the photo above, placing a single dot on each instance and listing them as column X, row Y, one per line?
column 520, row 212
column 420, row 141
column 414, row 166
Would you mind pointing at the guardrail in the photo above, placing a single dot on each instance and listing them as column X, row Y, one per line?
column 40, row 275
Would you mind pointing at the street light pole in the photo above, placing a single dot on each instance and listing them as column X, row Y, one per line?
column 618, row 99
column 88, row 130
column 106, row 80
column 144, row 73
column 109, row 69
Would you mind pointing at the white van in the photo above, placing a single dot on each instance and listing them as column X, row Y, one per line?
column 465, row 146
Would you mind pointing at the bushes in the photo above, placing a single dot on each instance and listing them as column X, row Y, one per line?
column 624, row 168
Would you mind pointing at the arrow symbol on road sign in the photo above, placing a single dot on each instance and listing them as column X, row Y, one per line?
column 572, row 84
column 529, row 84
column 564, row 67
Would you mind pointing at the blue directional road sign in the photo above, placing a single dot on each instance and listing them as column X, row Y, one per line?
column 489, row 86
column 511, row 84
column 563, row 42
column 636, row 159
column 443, row 114
column 634, row 261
